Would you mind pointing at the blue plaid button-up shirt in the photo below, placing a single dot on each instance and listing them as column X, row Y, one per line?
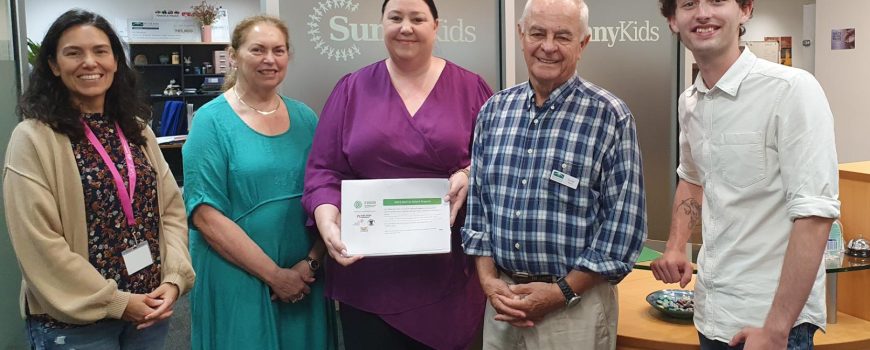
column 556, row 187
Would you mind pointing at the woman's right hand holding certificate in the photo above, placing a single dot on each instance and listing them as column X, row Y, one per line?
column 328, row 220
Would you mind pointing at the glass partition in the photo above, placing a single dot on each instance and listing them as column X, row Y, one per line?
column 12, row 331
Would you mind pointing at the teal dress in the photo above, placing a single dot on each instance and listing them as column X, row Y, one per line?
column 256, row 181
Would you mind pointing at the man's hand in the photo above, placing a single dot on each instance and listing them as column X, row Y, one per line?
column 760, row 338
column 536, row 300
column 672, row 267
column 496, row 290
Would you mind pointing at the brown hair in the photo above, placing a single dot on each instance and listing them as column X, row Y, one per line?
column 669, row 8
column 47, row 98
column 240, row 33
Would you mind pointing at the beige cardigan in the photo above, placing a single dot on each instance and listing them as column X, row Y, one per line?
column 45, row 214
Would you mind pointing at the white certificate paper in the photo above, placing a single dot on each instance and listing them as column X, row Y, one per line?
column 395, row 216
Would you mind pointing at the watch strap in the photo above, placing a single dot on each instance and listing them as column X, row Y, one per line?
column 567, row 292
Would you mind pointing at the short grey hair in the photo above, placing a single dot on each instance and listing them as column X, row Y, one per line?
column 584, row 15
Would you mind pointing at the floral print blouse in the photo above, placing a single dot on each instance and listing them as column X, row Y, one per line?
column 108, row 232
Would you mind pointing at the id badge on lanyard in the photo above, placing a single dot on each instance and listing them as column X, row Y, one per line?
column 138, row 256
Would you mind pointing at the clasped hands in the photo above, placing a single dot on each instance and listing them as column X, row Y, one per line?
column 145, row 310
column 522, row 305
column 290, row 285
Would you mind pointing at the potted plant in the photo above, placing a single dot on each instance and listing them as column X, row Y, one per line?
column 32, row 51
column 206, row 15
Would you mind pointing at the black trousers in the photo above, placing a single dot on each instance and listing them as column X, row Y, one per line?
column 364, row 331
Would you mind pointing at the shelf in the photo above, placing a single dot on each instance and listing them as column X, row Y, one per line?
column 156, row 65
column 155, row 76
column 215, row 94
column 162, row 96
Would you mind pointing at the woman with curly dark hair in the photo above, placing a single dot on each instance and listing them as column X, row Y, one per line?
column 94, row 214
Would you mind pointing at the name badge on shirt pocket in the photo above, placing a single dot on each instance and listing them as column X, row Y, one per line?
column 564, row 179
column 137, row 257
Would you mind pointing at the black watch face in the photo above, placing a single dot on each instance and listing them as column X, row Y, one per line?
column 313, row 264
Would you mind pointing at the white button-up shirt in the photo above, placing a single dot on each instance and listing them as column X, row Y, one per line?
column 761, row 144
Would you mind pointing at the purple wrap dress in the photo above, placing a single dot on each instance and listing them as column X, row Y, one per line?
column 366, row 132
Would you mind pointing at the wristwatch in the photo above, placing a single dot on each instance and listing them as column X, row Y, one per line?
column 313, row 264
column 571, row 298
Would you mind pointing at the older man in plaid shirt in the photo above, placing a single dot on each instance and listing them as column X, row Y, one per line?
column 556, row 207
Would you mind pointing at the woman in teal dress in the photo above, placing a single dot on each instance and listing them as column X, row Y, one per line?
column 244, row 160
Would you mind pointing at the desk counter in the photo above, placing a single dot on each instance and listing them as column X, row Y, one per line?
column 642, row 327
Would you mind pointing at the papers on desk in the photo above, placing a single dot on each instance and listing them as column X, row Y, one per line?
column 648, row 254
column 395, row 217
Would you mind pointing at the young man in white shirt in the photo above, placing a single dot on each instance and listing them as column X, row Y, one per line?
column 758, row 164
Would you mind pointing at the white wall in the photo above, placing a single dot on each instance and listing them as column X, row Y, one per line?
column 270, row 7
column 844, row 74
column 41, row 13
column 782, row 18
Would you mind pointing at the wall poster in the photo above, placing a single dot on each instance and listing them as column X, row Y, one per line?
column 843, row 39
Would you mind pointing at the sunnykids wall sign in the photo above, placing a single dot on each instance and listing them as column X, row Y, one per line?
column 335, row 36
column 626, row 31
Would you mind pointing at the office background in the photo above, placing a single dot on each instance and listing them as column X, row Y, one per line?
column 646, row 70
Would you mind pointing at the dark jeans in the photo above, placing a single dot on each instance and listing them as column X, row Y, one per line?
column 364, row 330
column 800, row 338
column 105, row 335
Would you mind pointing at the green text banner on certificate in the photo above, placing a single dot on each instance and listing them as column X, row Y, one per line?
column 395, row 216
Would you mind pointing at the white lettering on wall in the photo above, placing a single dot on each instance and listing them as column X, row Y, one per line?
column 338, row 28
column 458, row 33
column 343, row 30
column 337, row 41
column 626, row 31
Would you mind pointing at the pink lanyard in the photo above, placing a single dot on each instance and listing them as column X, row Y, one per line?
column 126, row 196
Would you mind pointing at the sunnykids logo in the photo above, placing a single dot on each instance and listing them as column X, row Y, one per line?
column 626, row 31
column 336, row 37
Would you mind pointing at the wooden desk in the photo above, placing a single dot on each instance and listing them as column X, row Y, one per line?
column 642, row 327
column 854, row 208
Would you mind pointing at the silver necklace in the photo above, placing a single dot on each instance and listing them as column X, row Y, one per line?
column 277, row 104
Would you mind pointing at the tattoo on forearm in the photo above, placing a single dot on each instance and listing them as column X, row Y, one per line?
column 692, row 208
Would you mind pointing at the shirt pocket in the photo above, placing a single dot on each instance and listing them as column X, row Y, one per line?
column 563, row 197
column 741, row 161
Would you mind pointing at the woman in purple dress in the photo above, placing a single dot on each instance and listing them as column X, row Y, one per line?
column 409, row 116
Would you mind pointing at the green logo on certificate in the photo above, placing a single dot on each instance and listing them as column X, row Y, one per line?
column 357, row 204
